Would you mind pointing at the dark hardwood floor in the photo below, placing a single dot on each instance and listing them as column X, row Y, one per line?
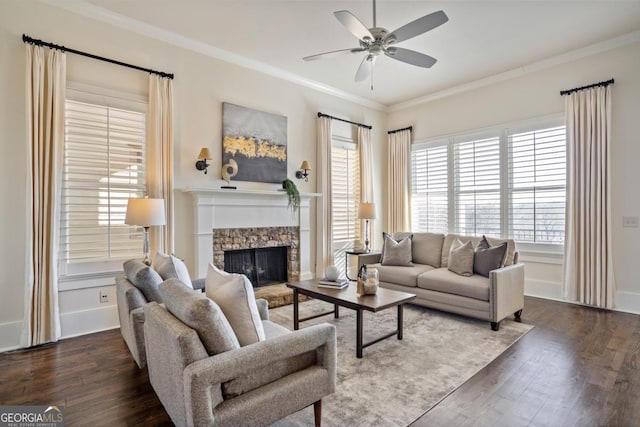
column 578, row 367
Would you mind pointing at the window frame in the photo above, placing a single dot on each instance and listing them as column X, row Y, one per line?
column 93, row 274
column 533, row 252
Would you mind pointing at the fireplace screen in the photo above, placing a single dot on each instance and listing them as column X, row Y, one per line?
column 263, row 266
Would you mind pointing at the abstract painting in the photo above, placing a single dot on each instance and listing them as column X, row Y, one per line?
column 257, row 141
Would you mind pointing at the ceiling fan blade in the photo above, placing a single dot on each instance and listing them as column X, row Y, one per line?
column 353, row 24
column 417, row 27
column 332, row 53
column 364, row 70
column 410, row 57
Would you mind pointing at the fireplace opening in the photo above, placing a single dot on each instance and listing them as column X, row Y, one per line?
column 263, row 266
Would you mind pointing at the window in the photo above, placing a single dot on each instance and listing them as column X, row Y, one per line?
column 477, row 187
column 502, row 182
column 345, row 194
column 537, row 185
column 103, row 166
column 429, row 198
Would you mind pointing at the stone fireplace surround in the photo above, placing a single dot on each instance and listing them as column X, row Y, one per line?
column 216, row 209
column 226, row 239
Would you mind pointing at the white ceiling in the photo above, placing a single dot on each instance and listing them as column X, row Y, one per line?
column 481, row 39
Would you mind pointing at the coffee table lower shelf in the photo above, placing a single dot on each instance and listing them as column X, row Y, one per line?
column 385, row 298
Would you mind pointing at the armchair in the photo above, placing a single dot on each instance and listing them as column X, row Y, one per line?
column 257, row 384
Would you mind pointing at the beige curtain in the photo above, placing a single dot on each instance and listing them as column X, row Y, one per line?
column 46, row 87
column 160, row 157
column 324, row 250
column 588, row 258
column 366, row 177
column 398, row 209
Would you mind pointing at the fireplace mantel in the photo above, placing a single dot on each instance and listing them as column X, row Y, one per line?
column 218, row 208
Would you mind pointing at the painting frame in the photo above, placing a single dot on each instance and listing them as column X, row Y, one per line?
column 257, row 141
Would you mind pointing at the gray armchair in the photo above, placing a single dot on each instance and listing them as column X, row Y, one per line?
column 253, row 385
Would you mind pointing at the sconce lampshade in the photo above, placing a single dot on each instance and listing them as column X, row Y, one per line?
column 305, row 166
column 204, row 154
column 145, row 212
column 367, row 211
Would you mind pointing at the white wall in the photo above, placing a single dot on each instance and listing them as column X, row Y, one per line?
column 200, row 86
column 536, row 95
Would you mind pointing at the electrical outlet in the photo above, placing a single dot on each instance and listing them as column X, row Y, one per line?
column 104, row 296
column 630, row 221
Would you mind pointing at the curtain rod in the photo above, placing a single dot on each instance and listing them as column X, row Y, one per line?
column 343, row 120
column 27, row 39
column 409, row 128
column 570, row 91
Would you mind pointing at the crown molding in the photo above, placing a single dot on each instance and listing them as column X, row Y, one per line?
column 616, row 42
column 89, row 10
column 92, row 11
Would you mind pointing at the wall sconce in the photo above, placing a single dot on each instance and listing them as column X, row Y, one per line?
column 304, row 172
column 202, row 164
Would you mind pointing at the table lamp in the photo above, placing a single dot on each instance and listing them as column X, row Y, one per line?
column 145, row 213
column 366, row 211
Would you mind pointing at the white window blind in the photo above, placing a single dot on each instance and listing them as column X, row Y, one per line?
column 103, row 167
column 345, row 192
column 477, row 187
column 537, row 185
column 429, row 189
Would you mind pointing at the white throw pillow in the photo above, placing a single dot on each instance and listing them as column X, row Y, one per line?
column 234, row 294
column 172, row 267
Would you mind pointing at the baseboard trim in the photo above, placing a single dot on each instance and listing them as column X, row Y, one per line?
column 626, row 302
column 10, row 333
column 85, row 322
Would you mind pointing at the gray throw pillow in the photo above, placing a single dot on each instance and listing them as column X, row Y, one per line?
column 488, row 258
column 144, row 278
column 201, row 314
column 396, row 252
column 461, row 257
column 172, row 267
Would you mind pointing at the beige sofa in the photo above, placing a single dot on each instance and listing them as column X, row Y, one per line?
column 489, row 298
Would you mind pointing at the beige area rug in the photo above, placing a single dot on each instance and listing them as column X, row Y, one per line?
column 398, row 381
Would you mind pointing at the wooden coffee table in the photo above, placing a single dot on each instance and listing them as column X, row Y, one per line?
column 347, row 297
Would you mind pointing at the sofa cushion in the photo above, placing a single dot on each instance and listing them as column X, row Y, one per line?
column 396, row 252
column 237, row 300
column 426, row 248
column 443, row 280
column 511, row 249
column 461, row 258
column 172, row 267
column 406, row 276
column 488, row 258
column 145, row 278
column 201, row 314
column 446, row 245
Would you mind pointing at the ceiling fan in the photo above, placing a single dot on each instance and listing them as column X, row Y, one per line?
column 377, row 40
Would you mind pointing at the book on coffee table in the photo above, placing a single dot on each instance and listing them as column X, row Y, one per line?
column 335, row 284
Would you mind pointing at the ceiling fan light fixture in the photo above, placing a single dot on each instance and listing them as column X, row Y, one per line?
column 376, row 40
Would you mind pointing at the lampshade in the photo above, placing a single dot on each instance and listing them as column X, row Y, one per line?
column 305, row 166
column 145, row 212
column 204, row 154
column 367, row 211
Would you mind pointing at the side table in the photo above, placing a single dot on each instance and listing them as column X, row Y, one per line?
column 370, row 257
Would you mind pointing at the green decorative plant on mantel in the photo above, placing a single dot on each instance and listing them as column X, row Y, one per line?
column 293, row 194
